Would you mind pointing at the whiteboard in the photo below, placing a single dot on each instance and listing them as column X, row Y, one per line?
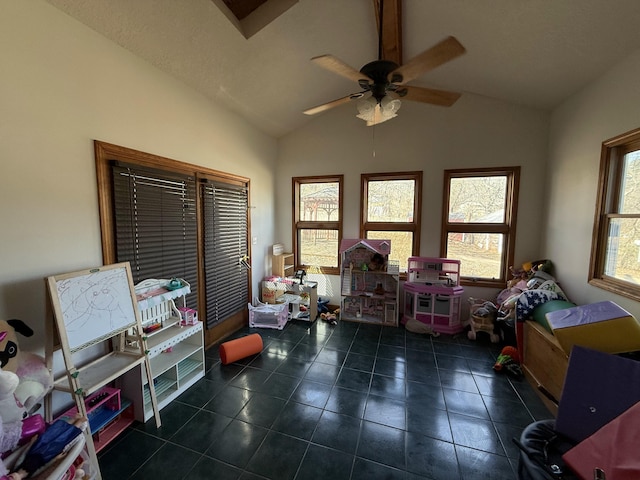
column 93, row 305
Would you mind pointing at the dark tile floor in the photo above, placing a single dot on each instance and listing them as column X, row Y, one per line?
column 352, row 401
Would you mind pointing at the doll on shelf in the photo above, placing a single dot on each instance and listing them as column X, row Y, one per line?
column 54, row 443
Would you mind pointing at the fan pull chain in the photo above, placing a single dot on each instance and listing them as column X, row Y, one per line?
column 373, row 140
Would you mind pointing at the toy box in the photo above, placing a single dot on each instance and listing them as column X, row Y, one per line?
column 268, row 316
column 602, row 326
column 544, row 363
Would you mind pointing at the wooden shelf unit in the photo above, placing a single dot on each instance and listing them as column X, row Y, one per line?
column 283, row 265
column 175, row 349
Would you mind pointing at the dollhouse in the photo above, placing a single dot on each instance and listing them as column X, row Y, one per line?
column 369, row 282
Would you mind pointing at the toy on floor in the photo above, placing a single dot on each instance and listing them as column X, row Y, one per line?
column 240, row 348
column 482, row 316
column 416, row 326
column 322, row 305
column 331, row 317
column 509, row 361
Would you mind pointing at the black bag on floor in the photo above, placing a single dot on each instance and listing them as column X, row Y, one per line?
column 541, row 450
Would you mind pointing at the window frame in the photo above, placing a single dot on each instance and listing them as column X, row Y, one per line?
column 413, row 227
column 507, row 228
column 105, row 153
column 607, row 203
column 299, row 225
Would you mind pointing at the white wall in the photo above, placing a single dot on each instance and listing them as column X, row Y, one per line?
column 62, row 86
column 604, row 109
column 475, row 132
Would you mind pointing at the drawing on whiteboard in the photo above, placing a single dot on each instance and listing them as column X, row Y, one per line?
column 95, row 305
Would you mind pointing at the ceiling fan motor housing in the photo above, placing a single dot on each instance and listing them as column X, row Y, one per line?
column 378, row 71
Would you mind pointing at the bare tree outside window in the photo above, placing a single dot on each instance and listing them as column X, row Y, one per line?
column 615, row 251
column 318, row 222
column 391, row 211
column 479, row 222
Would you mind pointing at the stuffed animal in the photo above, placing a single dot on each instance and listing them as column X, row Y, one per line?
column 15, row 427
column 9, row 342
column 11, row 415
column 10, row 409
column 509, row 361
column 35, row 381
column 35, row 378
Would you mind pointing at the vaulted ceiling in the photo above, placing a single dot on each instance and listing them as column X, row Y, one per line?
column 254, row 55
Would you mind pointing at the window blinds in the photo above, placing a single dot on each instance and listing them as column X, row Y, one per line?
column 225, row 244
column 156, row 224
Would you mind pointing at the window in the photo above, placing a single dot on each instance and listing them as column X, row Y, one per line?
column 317, row 213
column 479, row 223
column 615, row 251
column 390, row 210
column 167, row 219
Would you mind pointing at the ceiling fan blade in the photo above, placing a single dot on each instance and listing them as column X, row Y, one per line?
column 430, row 95
column 335, row 65
column 335, row 103
column 446, row 50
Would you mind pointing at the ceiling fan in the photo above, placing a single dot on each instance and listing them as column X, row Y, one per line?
column 384, row 81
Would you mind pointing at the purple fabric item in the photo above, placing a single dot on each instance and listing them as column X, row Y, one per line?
column 586, row 314
column 598, row 387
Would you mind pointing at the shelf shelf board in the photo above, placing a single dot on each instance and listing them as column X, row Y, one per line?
column 162, row 386
column 163, row 362
column 167, row 336
column 100, row 372
column 187, row 366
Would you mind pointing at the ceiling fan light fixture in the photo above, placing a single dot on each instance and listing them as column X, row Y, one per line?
column 366, row 107
column 373, row 111
column 390, row 105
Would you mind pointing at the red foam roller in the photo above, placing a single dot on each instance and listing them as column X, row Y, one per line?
column 240, row 348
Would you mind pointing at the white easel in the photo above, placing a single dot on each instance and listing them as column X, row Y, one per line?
column 91, row 307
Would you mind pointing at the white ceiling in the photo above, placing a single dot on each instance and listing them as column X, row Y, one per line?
column 531, row 52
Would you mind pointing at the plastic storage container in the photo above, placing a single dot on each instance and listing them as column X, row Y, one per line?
column 268, row 316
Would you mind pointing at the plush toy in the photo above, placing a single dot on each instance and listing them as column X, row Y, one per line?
column 331, row 317
column 15, row 427
column 416, row 326
column 9, row 342
column 509, row 361
column 11, row 411
column 35, row 378
column 35, row 381
column 11, row 415
column 9, row 436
